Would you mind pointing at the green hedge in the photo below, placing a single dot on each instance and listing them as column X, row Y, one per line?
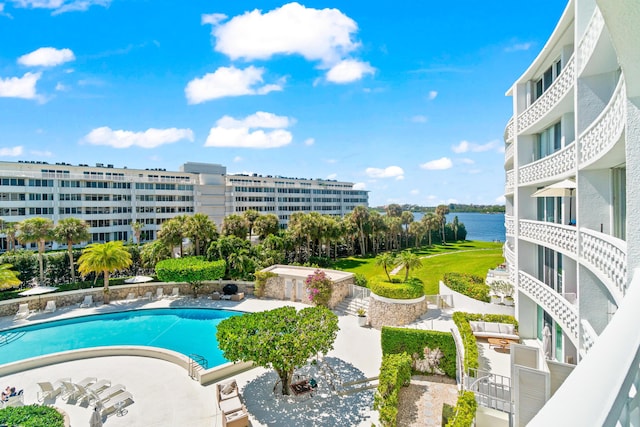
column 31, row 416
column 408, row 290
column 469, row 285
column 412, row 341
column 395, row 372
column 464, row 411
column 462, row 319
column 193, row 270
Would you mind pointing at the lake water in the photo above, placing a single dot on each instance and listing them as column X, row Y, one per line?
column 480, row 226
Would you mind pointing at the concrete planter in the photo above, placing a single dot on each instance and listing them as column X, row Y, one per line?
column 362, row 321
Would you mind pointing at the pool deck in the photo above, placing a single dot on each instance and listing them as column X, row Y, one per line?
column 164, row 394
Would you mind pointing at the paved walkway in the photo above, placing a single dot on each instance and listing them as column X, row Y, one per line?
column 166, row 396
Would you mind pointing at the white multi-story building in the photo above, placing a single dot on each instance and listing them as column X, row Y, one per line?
column 109, row 199
column 572, row 163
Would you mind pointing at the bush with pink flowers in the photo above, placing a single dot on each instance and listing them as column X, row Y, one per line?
column 319, row 288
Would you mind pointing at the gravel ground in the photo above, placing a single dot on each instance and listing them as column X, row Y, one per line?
column 421, row 402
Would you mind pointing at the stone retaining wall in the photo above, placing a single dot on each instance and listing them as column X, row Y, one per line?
column 394, row 312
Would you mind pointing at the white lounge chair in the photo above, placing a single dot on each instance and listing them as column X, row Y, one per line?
column 117, row 402
column 80, row 391
column 148, row 295
column 175, row 293
column 131, row 297
column 23, row 312
column 159, row 293
column 87, row 302
column 51, row 307
column 15, row 400
column 99, row 386
column 104, row 395
column 49, row 390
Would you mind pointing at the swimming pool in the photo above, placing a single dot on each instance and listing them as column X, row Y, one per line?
column 184, row 330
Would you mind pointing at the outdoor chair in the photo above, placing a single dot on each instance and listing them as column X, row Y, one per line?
column 103, row 396
column 23, row 312
column 49, row 390
column 99, row 386
column 87, row 302
column 228, row 397
column 51, row 307
column 159, row 293
column 117, row 402
column 236, row 419
column 130, row 297
column 148, row 295
column 303, row 387
column 237, row 297
column 15, row 400
column 175, row 293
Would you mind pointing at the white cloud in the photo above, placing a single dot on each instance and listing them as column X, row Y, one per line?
column 20, row 87
column 432, row 95
column 230, row 132
column 213, row 18
column 3, row 13
column 466, row 146
column 61, row 87
column 359, row 186
column 500, row 200
column 331, row 161
column 419, row 119
column 11, row 151
column 151, row 138
column 60, row 6
column 388, row 172
column 46, row 57
column 332, row 176
column 229, row 81
column 467, row 161
column 40, row 153
column 317, row 34
column 237, row 159
column 518, row 47
column 439, row 164
column 309, row 142
column 474, row 171
column 349, row 70
column 414, row 192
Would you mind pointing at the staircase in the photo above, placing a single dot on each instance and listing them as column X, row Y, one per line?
column 358, row 386
column 350, row 305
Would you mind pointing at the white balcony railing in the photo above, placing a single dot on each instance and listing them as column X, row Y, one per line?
column 562, row 238
column 508, row 152
column 603, row 389
column 558, row 165
column 509, row 131
column 606, row 257
column 558, row 90
column 510, row 257
column 589, row 337
column 563, row 312
column 509, row 185
column 588, row 42
column 606, row 130
column 509, row 225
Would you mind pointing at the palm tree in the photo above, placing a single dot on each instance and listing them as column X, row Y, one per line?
column 266, row 225
column 432, row 223
column 106, row 258
column 441, row 212
column 250, row 216
column 70, row 231
column 394, row 209
column 407, row 218
column 408, row 260
column 10, row 230
column 455, row 225
column 360, row 218
column 172, row 232
column 200, row 230
column 36, row 230
column 8, row 277
column 418, row 229
column 386, row 261
column 137, row 227
column 235, row 225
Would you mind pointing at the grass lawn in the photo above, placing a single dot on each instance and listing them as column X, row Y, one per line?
column 450, row 258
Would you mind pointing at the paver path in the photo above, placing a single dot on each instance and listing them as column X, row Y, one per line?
column 420, row 404
column 398, row 268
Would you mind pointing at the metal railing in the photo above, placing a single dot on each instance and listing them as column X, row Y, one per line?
column 491, row 390
column 359, row 292
column 196, row 364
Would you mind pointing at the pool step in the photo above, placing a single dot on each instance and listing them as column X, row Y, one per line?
column 10, row 337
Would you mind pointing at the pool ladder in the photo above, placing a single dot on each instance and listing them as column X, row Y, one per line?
column 196, row 364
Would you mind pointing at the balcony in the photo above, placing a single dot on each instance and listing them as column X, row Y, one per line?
column 561, row 238
column 509, row 131
column 509, row 185
column 606, row 130
column 589, row 337
column 548, row 100
column 556, row 166
column 509, row 225
column 562, row 311
column 588, row 42
column 508, row 153
column 606, row 257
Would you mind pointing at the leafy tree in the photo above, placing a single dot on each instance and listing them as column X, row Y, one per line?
column 432, row 223
column 319, row 287
column 282, row 339
column 193, row 270
column 235, row 225
column 250, row 217
column 106, row 258
column 360, row 217
column 173, row 232
column 407, row 218
column 201, row 231
column 394, row 210
column 224, row 248
column 8, row 277
column 10, row 229
column 455, row 225
column 386, row 261
column 36, row 230
column 441, row 212
column 408, row 260
column 137, row 227
column 154, row 252
column 24, row 262
column 70, row 231
column 418, row 229
column 266, row 225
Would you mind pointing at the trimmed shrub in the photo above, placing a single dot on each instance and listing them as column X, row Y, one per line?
column 319, row 287
column 193, row 270
column 464, row 411
column 360, row 280
column 469, row 285
column 462, row 319
column 31, row 416
column 395, row 372
column 413, row 341
column 408, row 290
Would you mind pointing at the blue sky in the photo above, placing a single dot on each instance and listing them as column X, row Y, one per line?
column 405, row 99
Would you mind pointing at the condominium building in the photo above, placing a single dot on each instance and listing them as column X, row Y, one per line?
column 572, row 163
column 109, row 199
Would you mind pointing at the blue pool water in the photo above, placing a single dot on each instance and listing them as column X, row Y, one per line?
column 184, row 330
